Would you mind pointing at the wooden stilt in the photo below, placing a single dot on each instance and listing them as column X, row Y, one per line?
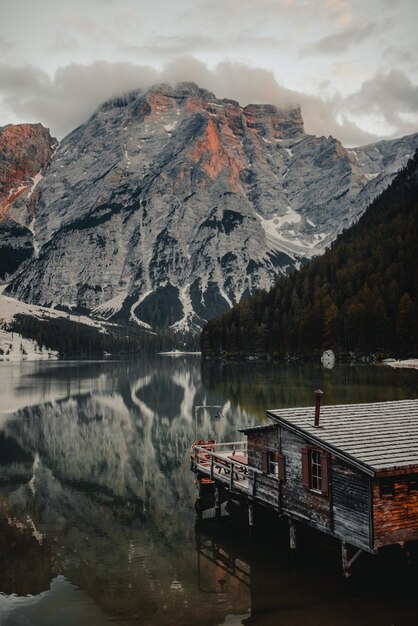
column 293, row 542
column 217, row 502
column 250, row 514
column 344, row 559
column 347, row 562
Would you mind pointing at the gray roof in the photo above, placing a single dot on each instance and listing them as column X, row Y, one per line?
column 251, row 429
column 377, row 436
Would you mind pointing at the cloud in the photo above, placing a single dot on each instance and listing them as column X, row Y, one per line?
column 340, row 10
column 241, row 82
column 67, row 99
column 167, row 48
column 391, row 98
column 232, row 80
column 396, row 55
column 75, row 91
column 71, row 96
column 340, row 42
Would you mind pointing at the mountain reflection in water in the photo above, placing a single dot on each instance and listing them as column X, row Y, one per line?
column 97, row 518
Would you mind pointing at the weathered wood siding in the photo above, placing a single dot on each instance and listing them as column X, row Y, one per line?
column 258, row 443
column 297, row 499
column 396, row 517
column 345, row 512
column 351, row 504
column 264, row 488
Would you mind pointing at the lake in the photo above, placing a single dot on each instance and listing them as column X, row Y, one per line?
column 97, row 517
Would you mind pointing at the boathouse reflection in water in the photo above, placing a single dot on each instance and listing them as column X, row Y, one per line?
column 302, row 587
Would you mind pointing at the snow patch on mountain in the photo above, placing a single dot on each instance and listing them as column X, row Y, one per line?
column 188, row 321
column 134, row 317
column 284, row 240
column 110, row 307
column 35, row 180
column 14, row 347
column 10, row 307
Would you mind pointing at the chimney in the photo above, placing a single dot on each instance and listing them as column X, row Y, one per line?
column 318, row 393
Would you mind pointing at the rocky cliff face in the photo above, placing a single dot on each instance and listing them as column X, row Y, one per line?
column 168, row 207
column 25, row 152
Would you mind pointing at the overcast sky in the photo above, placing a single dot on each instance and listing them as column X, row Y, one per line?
column 352, row 65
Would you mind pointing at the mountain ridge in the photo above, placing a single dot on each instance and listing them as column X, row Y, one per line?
column 167, row 207
column 360, row 297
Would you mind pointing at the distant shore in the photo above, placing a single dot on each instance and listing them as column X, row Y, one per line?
column 407, row 363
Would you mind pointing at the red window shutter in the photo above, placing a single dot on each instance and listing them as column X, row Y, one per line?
column 282, row 466
column 305, row 467
column 264, row 462
column 325, row 473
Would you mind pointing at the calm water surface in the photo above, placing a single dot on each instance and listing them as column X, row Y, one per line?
column 97, row 521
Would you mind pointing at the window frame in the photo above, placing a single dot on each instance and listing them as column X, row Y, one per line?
column 386, row 488
column 318, row 482
column 272, row 463
column 315, row 471
column 270, row 457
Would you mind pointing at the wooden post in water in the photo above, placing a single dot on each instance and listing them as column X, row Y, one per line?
column 250, row 514
column 293, row 543
column 345, row 559
column 217, row 502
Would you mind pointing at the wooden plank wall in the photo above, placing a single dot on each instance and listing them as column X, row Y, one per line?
column 351, row 504
column 260, row 441
column 296, row 498
column 354, row 511
column 395, row 517
column 265, row 488
column 344, row 512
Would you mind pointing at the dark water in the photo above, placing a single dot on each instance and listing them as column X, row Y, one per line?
column 97, row 521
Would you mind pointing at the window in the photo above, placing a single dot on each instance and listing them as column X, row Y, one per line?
column 273, row 465
column 387, row 488
column 315, row 470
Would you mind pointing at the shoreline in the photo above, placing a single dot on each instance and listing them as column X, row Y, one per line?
column 403, row 364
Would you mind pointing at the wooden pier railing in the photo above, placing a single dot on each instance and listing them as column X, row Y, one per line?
column 227, row 464
column 224, row 462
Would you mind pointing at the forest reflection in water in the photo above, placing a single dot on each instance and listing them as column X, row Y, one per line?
column 97, row 499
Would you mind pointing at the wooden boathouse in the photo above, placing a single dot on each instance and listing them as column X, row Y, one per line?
column 350, row 471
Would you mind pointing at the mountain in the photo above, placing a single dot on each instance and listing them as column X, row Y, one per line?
column 168, row 207
column 25, row 152
column 361, row 296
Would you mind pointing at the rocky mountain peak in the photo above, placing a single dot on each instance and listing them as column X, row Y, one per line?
column 167, row 207
column 25, row 149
